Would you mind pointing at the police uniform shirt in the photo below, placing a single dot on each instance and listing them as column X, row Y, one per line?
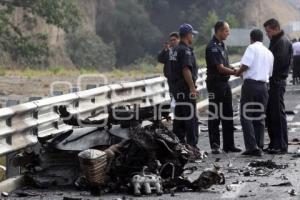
column 216, row 54
column 259, row 61
column 183, row 56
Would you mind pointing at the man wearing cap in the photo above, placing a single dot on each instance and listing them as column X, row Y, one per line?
column 220, row 96
column 184, row 75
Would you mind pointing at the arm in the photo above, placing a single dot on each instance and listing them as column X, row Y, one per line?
column 225, row 71
column 162, row 56
column 189, row 80
column 215, row 57
column 242, row 69
column 247, row 60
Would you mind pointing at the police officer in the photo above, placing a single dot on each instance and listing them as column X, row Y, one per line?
column 167, row 54
column 184, row 75
column 282, row 50
column 220, row 96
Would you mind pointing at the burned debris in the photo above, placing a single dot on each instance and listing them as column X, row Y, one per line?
column 140, row 156
column 267, row 164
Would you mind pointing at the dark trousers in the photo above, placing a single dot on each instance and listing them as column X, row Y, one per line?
column 220, row 110
column 276, row 116
column 185, row 124
column 254, row 99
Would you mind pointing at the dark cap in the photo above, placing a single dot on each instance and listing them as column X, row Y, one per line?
column 187, row 28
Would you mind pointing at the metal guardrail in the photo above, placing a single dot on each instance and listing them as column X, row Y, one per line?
column 20, row 125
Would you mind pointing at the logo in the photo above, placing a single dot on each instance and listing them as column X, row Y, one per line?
column 172, row 55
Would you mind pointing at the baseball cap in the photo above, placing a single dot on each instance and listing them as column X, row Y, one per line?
column 187, row 28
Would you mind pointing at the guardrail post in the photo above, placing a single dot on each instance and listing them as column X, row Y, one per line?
column 11, row 171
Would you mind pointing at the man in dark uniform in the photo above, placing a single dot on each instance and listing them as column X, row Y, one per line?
column 281, row 48
column 166, row 55
column 184, row 75
column 220, row 95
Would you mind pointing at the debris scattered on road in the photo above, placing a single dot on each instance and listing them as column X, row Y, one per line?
column 283, row 177
column 264, row 185
column 209, row 178
column 26, row 194
column 246, row 195
column 284, row 184
column 229, row 188
column 292, row 192
column 267, row 164
column 93, row 164
column 71, row 198
column 230, row 164
column 150, row 159
column 147, row 183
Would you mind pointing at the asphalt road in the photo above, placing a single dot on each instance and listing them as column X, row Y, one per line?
column 244, row 187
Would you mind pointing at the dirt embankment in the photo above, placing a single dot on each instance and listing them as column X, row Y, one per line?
column 258, row 11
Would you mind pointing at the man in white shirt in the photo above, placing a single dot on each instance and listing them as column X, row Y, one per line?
column 256, row 68
column 296, row 62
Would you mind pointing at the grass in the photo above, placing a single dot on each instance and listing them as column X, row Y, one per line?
column 60, row 71
column 2, row 174
column 137, row 70
column 2, row 160
column 51, row 71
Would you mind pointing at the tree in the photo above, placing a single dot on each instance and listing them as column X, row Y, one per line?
column 131, row 30
column 86, row 49
column 24, row 46
column 208, row 24
column 232, row 21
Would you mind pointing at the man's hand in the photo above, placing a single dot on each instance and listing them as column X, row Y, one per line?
column 241, row 70
column 194, row 93
column 238, row 73
column 226, row 70
column 187, row 74
column 166, row 46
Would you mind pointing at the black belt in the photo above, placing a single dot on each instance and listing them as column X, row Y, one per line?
column 254, row 81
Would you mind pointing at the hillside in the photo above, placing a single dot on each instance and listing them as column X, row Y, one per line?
column 118, row 33
column 258, row 11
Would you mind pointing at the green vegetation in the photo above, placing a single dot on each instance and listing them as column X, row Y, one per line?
column 18, row 38
column 86, row 49
column 130, row 28
column 2, row 174
column 124, row 34
column 141, row 68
